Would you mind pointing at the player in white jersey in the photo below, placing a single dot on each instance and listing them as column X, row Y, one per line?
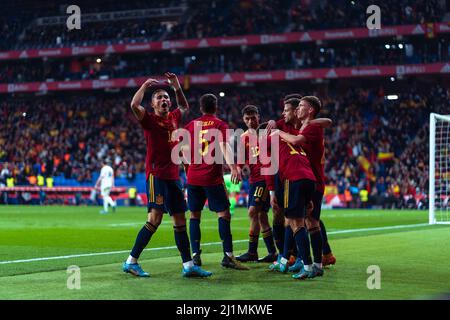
column 106, row 182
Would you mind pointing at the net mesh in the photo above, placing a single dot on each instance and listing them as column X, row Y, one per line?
column 442, row 171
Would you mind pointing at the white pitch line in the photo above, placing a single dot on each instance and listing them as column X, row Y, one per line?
column 203, row 244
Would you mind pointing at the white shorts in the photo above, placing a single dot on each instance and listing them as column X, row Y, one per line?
column 106, row 191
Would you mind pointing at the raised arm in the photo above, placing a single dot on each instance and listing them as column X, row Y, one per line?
column 323, row 122
column 181, row 99
column 138, row 110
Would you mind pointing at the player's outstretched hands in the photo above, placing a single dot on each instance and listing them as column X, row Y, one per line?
column 172, row 79
column 150, row 82
column 236, row 175
column 271, row 124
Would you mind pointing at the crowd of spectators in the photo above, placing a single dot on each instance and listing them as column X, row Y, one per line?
column 215, row 18
column 70, row 135
column 279, row 57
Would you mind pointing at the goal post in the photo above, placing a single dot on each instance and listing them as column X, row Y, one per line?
column 439, row 169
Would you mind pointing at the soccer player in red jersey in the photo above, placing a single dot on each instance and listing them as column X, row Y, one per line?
column 164, row 190
column 299, row 181
column 311, row 139
column 205, row 178
column 259, row 201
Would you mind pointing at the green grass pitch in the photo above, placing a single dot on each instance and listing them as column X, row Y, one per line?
column 413, row 257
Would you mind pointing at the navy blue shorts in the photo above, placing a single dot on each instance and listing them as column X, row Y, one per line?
column 297, row 195
column 259, row 196
column 216, row 195
column 166, row 195
column 279, row 190
column 317, row 200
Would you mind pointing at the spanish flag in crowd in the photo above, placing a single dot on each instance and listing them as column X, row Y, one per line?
column 429, row 31
column 186, row 82
column 385, row 156
column 365, row 165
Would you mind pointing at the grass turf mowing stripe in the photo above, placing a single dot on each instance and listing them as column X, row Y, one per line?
column 204, row 244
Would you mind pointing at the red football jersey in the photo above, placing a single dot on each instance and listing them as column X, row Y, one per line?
column 315, row 150
column 252, row 151
column 204, row 174
column 286, row 127
column 293, row 162
column 157, row 132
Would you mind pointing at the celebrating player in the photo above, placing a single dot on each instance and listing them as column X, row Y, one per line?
column 259, row 201
column 164, row 190
column 311, row 138
column 299, row 182
column 205, row 179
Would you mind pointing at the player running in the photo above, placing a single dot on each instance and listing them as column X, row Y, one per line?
column 205, row 179
column 164, row 190
column 259, row 200
column 105, row 183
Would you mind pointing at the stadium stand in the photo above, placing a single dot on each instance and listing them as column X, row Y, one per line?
column 63, row 134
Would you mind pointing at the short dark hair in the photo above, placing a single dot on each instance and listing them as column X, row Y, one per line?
column 292, row 95
column 158, row 90
column 208, row 103
column 294, row 102
column 313, row 102
column 250, row 109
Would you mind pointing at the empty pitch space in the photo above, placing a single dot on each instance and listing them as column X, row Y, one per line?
column 38, row 244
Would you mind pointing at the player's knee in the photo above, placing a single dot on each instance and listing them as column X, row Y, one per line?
column 195, row 215
column 253, row 213
column 224, row 215
column 155, row 218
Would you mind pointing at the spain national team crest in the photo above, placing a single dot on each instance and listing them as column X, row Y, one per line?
column 159, row 199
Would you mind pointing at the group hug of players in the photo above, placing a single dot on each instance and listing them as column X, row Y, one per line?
column 294, row 193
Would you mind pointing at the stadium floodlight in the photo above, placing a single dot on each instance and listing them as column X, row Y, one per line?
column 439, row 175
column 392, row 97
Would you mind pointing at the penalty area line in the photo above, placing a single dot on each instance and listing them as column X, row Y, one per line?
column 203, row 244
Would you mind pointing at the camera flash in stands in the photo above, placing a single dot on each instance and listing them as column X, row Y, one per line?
column 24, row 114
column 222, row 94
column 98, row 60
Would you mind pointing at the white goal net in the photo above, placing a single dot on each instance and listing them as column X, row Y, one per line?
column 439, row 192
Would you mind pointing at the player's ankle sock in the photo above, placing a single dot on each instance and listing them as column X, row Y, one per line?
column 182, row 241
column 131, row 260
column 278, row 236
column 105, row 205
column 326, row 247
column 268, row 240
column 316, row 244
column 253, row 243
column 232, row 204
column 188, row 264
column 288, row 240
column 143, row 239
column 225, row 235
column 318, row 265
column 195, row 234
column 303, row 247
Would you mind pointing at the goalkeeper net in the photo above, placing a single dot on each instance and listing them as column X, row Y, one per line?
column 439, row 188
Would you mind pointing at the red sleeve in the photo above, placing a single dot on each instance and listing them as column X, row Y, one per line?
column 313, row 133
column 223, row 129
column 270, row 179
column 147, row 121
